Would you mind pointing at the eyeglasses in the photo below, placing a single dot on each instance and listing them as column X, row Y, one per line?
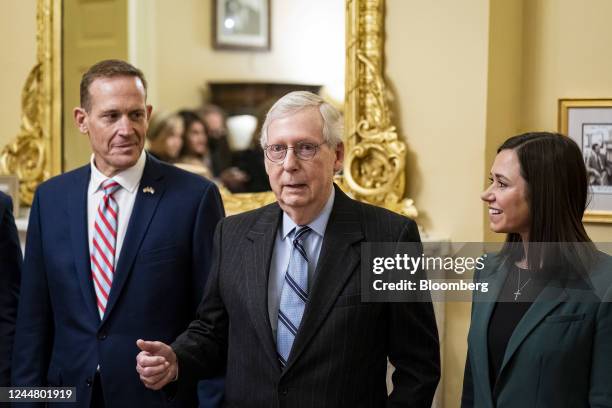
column 304, row 151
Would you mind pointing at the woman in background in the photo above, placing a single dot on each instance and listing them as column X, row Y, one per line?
column 194, row 156
column 165, row 136
column 541, row 336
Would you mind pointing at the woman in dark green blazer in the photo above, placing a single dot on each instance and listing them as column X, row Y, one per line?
column 542, row 334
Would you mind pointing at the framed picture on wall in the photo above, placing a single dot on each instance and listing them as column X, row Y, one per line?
column 9, row 185
column 589, row 123
column 241, row 25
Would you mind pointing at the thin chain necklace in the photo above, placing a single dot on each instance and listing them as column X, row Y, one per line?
column 520, row 287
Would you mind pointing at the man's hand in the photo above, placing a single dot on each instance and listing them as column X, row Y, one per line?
column 156, row 364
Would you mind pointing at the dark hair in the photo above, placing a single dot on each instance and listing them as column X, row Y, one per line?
column 189, row 118
column 107, row 69
column 557, row 195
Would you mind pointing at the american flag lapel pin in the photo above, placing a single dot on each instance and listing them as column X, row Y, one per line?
column 148, row 190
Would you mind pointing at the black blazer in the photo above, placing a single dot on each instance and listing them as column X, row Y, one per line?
column 10, row 274
column 339, row 357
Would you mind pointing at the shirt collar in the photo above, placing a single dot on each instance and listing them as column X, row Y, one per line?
column 318, row 225
column 128, row 178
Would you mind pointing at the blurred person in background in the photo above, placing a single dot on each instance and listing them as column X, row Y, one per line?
column 221, row 155
column 165, row 136
column 252, row 160
column 195, row 155
column 214, row 119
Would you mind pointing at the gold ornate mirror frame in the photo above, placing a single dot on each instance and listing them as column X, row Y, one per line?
column 374, row 167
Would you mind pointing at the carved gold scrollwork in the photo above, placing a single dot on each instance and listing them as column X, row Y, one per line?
column 33, row 155
column 374, row 167
column 25, row 157
column 237, row 203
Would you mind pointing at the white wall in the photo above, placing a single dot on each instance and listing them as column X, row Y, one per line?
column 307, row 47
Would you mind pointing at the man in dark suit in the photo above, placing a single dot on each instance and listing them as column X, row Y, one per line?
column 116, row 250
column 595, row 166
column 282, row 313
column 10, row 274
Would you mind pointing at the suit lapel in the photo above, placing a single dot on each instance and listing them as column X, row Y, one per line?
column 338, row 260
column 262, row 237
column 480, row 334
column 77, row 209
column 142, row 213
column 550, row 297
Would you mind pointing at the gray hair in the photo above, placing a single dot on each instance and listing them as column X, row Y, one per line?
column 294, row 102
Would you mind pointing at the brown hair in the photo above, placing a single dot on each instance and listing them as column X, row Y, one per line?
column 107, row 69
column 557, row 195
column 189, row 118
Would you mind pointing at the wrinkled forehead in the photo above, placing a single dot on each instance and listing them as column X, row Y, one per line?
column 304, row 125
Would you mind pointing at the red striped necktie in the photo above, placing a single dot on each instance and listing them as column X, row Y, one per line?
column 104, row 244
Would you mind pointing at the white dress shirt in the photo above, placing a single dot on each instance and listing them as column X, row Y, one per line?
column 283, row 246
column 125, row 196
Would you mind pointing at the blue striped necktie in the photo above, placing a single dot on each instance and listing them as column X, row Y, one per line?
column 294, row 296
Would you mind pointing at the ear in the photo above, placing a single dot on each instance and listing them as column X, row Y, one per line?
column 339, row 157
column 149, row 111
column 80, row 119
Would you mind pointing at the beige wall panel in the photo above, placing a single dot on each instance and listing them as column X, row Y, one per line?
column 18, row 56
column 142, row 49
column 437, row 61
column 93, row 30
column 567, row 55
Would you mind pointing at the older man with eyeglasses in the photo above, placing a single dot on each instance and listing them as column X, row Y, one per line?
column 282, row 313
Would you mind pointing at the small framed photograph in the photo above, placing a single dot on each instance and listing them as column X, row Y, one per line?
column 589, row 123
column 241, row 25
column 9, row 185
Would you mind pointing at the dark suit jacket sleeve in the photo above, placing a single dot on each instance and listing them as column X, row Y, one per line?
column 201, row 350
column 414, row 349
column 34, row 333
column 467, row 396
column 210, row 212
column 600, row 392
column 10, row 274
